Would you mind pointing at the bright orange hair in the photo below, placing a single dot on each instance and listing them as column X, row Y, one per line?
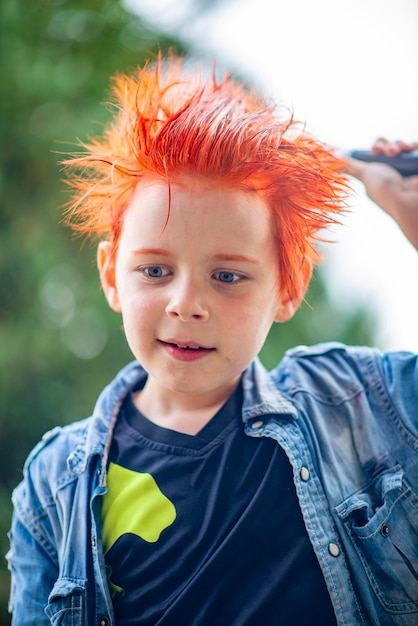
column 171, row 124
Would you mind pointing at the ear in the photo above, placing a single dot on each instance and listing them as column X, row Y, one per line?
column 286, row 308
column 106, row 265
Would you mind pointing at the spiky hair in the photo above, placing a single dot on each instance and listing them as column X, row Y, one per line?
column 170, row 123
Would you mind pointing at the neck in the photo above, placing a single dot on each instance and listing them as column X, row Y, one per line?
column 183, row 412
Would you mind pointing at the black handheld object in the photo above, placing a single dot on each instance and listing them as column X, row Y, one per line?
column 406, row 163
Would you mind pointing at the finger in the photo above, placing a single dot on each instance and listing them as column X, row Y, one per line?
column 380, row 145
column 390, row 148
column 404, row 146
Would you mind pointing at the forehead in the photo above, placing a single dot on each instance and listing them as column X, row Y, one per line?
column 198, row 221
column 194, row 199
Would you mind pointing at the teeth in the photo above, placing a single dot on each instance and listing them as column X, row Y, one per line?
column 189, row 347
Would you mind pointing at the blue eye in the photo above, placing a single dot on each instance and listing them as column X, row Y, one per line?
column 155, row 271
column 227, row 277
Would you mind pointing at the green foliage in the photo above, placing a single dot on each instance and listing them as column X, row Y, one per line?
column 60, row 344
column 54, row 324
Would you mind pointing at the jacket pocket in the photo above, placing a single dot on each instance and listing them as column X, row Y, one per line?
column 67, row 603
column 382, row 522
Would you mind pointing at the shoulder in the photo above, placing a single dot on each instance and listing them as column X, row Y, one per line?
column 58, row 442
column 331, row 360
column 334, row 375
column 73, row 443
column 46, row 467
column 337, row 368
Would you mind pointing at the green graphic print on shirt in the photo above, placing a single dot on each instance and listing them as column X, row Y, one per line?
column 133, row 504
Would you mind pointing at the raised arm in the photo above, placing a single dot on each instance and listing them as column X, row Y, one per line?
column 396, row 195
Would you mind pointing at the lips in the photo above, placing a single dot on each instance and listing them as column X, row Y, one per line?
column 188, row 345
column 185, row 350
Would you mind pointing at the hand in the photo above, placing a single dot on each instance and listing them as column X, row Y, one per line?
column 396, row 195
column 392, row 148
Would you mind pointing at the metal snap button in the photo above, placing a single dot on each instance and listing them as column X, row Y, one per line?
column 333, row 549
column 385, row 530
column 304, row 474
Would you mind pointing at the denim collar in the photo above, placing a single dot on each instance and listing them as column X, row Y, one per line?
column 261, row 397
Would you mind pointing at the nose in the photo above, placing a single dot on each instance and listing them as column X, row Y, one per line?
column 187, row 302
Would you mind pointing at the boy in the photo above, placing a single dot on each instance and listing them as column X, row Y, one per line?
column 203, row 490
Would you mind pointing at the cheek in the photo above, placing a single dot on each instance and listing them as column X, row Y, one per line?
column 265, row 315
column 135, row 300
column 251, row 323
column 257, row 312
column 139, row 311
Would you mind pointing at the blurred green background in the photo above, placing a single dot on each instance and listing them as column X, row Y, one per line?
column 59, row 342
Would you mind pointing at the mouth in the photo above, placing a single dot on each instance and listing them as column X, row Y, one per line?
column 186, row 346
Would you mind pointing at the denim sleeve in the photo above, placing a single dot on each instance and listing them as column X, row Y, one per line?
column 342, row 371
column 33, row 576
column 32, row 557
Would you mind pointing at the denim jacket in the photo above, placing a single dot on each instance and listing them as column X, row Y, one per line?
column 348, row 421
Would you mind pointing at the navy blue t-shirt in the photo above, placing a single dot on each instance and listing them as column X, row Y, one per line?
column 206, row 530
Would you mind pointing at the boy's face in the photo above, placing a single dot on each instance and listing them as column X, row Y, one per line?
column 198, row 290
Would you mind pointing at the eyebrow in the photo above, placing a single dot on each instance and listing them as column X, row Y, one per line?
column 236, row 257
column 157, row 251
column 220, row 257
